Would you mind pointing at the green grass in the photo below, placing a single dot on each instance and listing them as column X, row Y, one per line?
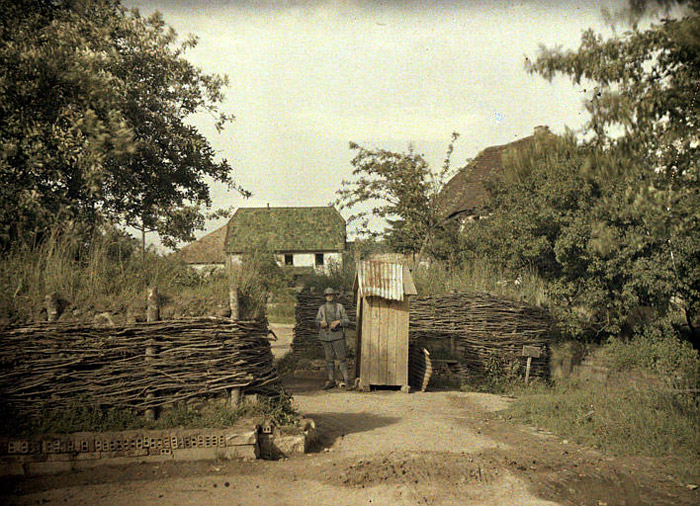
column 213, row 413
column 478, row 275
column 615, row 418
column 106, row 273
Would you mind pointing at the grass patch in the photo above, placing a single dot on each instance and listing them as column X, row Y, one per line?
column 213, row 414
column 477, row 275
column 618, row 420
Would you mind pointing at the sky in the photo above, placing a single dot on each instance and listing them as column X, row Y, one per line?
column 308, row 77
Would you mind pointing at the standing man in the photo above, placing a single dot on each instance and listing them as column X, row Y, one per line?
column 331, row 321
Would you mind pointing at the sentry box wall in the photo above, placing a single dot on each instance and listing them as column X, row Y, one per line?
column 382, row 290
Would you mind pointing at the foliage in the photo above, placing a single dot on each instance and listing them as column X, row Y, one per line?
column 483, row 276
column 618, row 419
column 94, row 101
column 658, row 350
column 338, row 276
column 573, row 215
column 402, row 191
column 258, row 277
column 101, row 273
column 211, row 413
column 638, row 245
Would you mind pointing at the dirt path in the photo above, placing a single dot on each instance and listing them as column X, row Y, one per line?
column 383, row 448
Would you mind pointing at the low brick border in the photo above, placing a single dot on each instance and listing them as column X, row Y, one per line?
column 85, row 450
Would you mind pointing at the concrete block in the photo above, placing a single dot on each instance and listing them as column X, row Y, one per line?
column 22, row 459
column 227, row 453
column 241, row 438
column 88, row 456
column 290, row 444
column 12, row 469
column 37, row 468
column 124, row 453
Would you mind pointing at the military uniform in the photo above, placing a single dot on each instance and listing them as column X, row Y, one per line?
column 333, row 341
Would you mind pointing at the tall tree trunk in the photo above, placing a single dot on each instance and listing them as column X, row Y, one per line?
column 143, row 243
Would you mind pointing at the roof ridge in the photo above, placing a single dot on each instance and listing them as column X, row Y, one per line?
column 287, row 207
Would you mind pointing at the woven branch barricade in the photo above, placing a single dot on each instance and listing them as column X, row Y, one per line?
column 477, row 328
column 305, row 343
column 55, row 365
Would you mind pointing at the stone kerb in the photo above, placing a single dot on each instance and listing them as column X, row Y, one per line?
column 89, row 449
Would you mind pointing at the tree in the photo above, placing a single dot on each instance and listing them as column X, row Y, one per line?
column 93, row 107
column 646, row 113
column 629, row 239
column 401, row 190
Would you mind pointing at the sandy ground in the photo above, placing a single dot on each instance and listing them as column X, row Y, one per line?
column 382, row 448
column 284, row 333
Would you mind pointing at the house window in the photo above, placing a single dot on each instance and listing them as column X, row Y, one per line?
column 288, row 259
column 319, row 259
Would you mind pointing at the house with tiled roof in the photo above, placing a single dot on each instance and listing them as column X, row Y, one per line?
column 306, row 238
column 207, row 253
column 465, row 197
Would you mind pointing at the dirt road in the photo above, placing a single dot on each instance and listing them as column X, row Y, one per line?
column 384, row 448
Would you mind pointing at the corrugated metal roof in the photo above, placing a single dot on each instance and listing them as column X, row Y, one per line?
column 383, row 279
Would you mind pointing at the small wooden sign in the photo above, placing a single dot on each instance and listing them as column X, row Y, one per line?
column 532, row 351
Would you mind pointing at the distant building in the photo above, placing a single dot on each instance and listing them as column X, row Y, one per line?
column 465, row 197
column 305, row 238
column 206, row 254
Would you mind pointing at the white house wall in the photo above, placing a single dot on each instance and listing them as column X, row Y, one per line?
column 301, row 260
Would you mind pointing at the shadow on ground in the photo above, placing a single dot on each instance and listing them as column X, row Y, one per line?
column 332, row 426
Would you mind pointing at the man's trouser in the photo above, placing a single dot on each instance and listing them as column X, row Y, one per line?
column 337, row 348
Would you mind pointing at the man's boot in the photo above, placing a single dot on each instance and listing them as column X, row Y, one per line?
column 328, row 385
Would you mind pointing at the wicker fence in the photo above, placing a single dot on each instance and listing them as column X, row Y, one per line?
column 142, row 366
column 473, row 328
column 305, row 343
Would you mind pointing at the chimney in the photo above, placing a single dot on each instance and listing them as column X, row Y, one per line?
column 541, row 130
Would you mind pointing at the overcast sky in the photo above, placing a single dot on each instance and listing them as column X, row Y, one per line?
column 307, row 77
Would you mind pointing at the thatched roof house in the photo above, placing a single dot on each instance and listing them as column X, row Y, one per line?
column 206, row 253
column 304, row 237
column 465, row 195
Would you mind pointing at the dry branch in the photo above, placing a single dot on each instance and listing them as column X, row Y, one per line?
column 54, row 365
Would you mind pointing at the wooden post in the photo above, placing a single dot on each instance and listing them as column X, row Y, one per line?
column 234, row 302
column 51, row 303
column 527, row 369
column 530, row 352
column 152, row 305
column 235, row 398
column 152, row 315
column 150, row 354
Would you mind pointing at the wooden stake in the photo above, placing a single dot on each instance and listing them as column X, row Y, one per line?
column 152, row 315
column 152, row 305
column 234, row 302
column 235, row 398
column 527, row 369
column 51, row 303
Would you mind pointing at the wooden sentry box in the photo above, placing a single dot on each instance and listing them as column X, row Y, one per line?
column 382, row 290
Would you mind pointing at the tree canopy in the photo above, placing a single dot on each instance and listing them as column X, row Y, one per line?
column 613, row 221
column 94, row 101
column 401, row 190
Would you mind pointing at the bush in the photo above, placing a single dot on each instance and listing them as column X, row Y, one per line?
column 337, row 276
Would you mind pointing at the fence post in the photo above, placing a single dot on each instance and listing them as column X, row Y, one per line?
column 51, row 303
column 152, row 305
column 152, row 315
column 234, row 302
